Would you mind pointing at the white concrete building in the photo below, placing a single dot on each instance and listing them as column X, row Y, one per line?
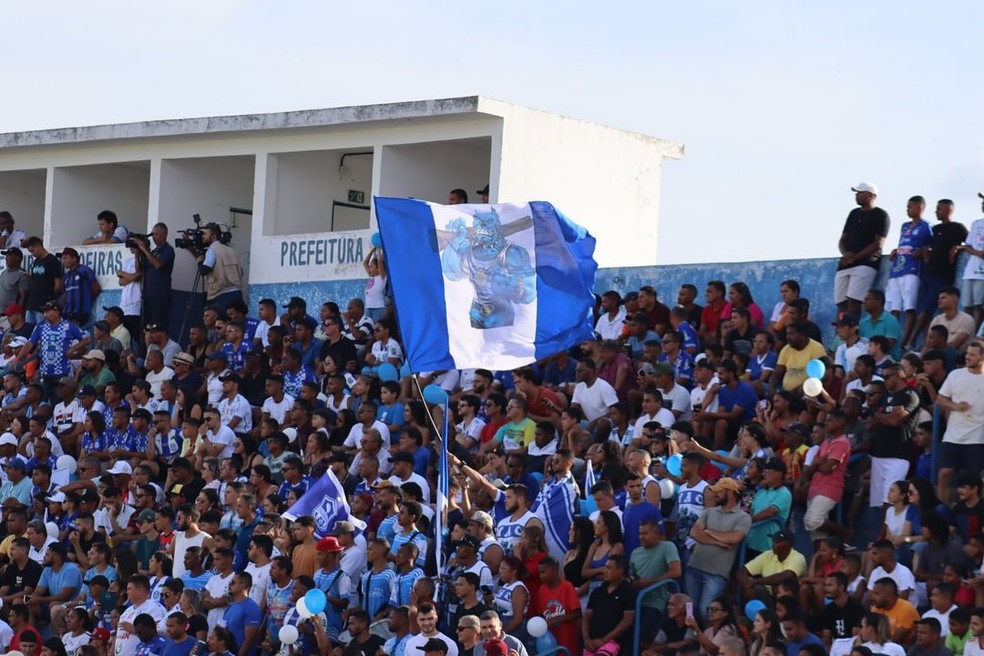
column 295, row 188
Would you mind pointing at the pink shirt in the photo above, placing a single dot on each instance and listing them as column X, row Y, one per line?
column 831, row 485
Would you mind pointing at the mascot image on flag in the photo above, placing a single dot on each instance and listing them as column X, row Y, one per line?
column 500, row 271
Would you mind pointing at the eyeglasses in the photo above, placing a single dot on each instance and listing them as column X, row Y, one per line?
column 715, row 609
column 464, row 628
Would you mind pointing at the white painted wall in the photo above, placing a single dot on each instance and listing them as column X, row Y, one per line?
column 303, row 186
column 22, row 194
column 430, row 170
column 208, row 186
column 604, row 179
column 79, row 193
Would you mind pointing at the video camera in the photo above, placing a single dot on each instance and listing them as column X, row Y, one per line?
column 134, row 237
column 193, row 239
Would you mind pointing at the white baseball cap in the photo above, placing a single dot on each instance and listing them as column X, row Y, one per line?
column 121, row 467
column 870, row 187
column 8, row 438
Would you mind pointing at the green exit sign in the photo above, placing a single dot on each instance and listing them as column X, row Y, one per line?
column 357, row 197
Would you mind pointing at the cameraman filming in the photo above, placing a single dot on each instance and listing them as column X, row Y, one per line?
column 220, row 269
column 156, row 275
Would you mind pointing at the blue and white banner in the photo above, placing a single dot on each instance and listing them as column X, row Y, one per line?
column 491, row 286
column 555, row 508
column 324, row 501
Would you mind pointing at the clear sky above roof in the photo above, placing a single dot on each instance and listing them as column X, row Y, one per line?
column 782, row 105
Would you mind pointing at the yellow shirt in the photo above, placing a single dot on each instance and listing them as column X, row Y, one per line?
column 796, row 361
column 767, row 564
column 903, row 614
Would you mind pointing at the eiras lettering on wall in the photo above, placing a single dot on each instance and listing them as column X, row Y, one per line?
column 321, row 252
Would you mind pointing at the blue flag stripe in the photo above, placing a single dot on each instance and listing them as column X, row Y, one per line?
column 407, row 230
column 565, row 276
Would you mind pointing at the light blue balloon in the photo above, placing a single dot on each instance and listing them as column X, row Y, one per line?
column 377, row 241
column 387, row 372
column 545, row 643
column 405, row 370
column 752, row 608
column 673, row 464
column 720, row 465
column 816, row 369
column 435, row 395
column 315, row 600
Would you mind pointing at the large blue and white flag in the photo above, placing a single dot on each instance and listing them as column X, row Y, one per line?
column 324, row 501
column 491, row 286
column 555, row 508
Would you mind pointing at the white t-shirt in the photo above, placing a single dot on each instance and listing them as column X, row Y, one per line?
column 595, row 400
column 155, row 380
column 965, row 427
column 276, row 410
column 664, row 417
column 611, row 328
column 698, row 393
column 943, row 618
column 856, row 384
column 213, row 386
column 103, row 521
column 473, row 429
column 237, row 407
column 225, row 437
column 902, row 576
column 960, row 323
column 386, row 350
column 678, row 399
column 130, row 300
column 892, row 649
column 845, row 356
column 354, row 438
column 974, row 270
column 37, row 555
column 217, row 587
column 261, row 579
column 65, row 415
column 414, row 478
column 376, row 292
column 262, row 330
column 126, row 642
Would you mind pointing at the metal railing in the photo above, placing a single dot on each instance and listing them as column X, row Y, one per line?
column 674, row 587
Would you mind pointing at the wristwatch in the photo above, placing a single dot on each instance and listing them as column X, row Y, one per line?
column 908, row 539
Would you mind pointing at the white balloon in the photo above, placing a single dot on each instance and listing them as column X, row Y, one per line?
column 288, row 634
column 536, row 626
column 302, row 608
column 291, row 434
column 67, row 462
column 812, row 387
column 667, row 489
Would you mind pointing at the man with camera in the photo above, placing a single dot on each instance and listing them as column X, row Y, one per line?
column 220, row 269
column 156, row 274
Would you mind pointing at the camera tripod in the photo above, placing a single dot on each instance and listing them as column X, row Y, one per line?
column 199, row 282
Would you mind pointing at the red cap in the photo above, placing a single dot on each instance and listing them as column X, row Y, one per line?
column 329, row 543
column 101, row 634
column 496, row 648
column 14, row 308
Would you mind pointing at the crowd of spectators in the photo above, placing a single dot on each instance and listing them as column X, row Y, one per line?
column 145, row 476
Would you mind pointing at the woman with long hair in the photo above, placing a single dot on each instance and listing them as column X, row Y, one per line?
column 740, row 296
column 897, row 525
column 415, row 414
column 79, row 626
column 531, row 549
column 752, row 443
column 190, row 604
column 210, row 474
column 221, row 642
column 245, row 447
column 876, row 635
column 828, row 559
column 160, row 570
column 608, row 542
column 721, row 627
column 766, row 628
column 580, row 540
column 511, row 597
column 783, row 410
column 316, row 449
column 343, row 425
column 94, row 442
column 207, row 499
